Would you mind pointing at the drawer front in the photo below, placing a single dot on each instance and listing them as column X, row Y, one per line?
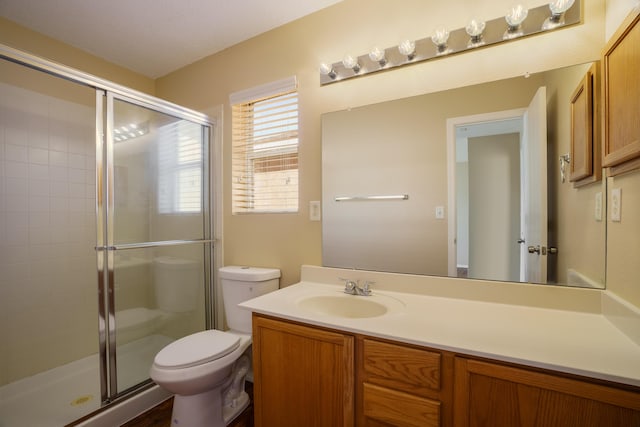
column 398, row 409
column 399, row 367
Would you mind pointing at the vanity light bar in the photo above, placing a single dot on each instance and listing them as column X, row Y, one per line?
column 362, row 198
column 538, row 20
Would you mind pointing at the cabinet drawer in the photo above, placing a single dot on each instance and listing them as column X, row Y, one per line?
column 399, row 409
column 404, row 368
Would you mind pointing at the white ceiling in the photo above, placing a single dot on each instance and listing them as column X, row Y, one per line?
column 155, row 37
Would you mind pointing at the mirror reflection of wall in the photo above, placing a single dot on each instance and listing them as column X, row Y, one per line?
column 400, row 147
column 488, row 183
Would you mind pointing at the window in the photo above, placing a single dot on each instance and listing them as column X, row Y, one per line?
column 180, row 168
column 265, row 149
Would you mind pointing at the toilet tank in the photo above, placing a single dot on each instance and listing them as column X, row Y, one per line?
column 240, row 284
column 176, row 282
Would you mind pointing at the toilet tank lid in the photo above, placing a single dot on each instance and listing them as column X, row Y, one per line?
column 248, row 274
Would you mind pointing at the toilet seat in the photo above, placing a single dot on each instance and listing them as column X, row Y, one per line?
column 196, row 349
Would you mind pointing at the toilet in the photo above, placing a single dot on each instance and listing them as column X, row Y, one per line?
column 206, row 370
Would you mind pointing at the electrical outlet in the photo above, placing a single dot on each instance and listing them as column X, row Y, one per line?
column 598, row 211
column 616, row 204
column 315, row 212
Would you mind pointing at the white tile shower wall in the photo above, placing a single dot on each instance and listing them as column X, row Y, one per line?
column 48, row 298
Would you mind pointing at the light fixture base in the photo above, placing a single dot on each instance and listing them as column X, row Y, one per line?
column 496, row 31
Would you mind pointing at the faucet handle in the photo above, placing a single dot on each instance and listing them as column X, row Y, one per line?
column 366, row 287
column 349, row 285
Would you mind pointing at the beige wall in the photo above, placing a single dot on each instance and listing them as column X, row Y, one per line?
column 623, row 240
column 287, row 241
column 580, row 238
column 616, row 11
column 623, row 244
column 19, row 37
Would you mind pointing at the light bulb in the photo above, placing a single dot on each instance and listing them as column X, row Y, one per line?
column 327, row 70
column 475, row 27
column 558, row 7
column 440, row 37
column 350, row 62
column 407, row 48
column 377, row 55
column 516, row 16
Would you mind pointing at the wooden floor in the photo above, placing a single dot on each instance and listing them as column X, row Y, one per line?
column 160, row 416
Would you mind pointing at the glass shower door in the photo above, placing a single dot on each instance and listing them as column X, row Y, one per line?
column 157, row 235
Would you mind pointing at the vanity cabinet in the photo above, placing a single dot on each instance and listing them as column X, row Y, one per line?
column 312, row 376
column 490, row 394
column 303, row 376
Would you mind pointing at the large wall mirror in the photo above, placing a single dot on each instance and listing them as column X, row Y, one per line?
column 466, row 182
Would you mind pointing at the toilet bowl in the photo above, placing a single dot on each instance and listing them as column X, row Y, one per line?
column 206, row 370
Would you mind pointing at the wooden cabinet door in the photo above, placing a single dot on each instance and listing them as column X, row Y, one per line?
column 490, row 395
column 585, row 154
column 303, row 376
column 621, row 63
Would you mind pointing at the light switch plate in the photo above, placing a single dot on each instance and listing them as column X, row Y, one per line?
column 616, row 204
column 315, row 213
column 439, row 212
column 598, row 211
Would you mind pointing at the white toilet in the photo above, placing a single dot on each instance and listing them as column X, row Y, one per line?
column 206, row 370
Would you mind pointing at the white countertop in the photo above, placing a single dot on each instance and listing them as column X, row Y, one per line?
column 578, row 342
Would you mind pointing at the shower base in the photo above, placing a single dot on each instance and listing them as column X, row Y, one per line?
column 61, row 395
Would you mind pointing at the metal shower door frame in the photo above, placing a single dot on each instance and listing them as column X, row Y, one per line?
column 106, row 92
column 107, row 247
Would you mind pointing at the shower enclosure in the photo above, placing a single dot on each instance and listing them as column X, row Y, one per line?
column 104, row 194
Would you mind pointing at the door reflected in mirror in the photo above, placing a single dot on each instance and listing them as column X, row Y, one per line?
column 480, row 166
column 501, row 176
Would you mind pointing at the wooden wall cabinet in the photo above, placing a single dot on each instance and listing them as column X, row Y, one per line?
column 621, row 97
column 585, row 149
column 315, row 377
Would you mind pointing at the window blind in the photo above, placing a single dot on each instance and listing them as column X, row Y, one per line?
column 265, row 153
column 180, row 168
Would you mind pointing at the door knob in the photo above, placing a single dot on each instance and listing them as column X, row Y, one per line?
column 534, row 249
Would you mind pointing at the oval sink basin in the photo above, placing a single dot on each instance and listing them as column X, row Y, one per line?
column 343, row 306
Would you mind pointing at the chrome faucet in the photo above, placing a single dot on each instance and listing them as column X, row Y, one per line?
column 353, row 287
